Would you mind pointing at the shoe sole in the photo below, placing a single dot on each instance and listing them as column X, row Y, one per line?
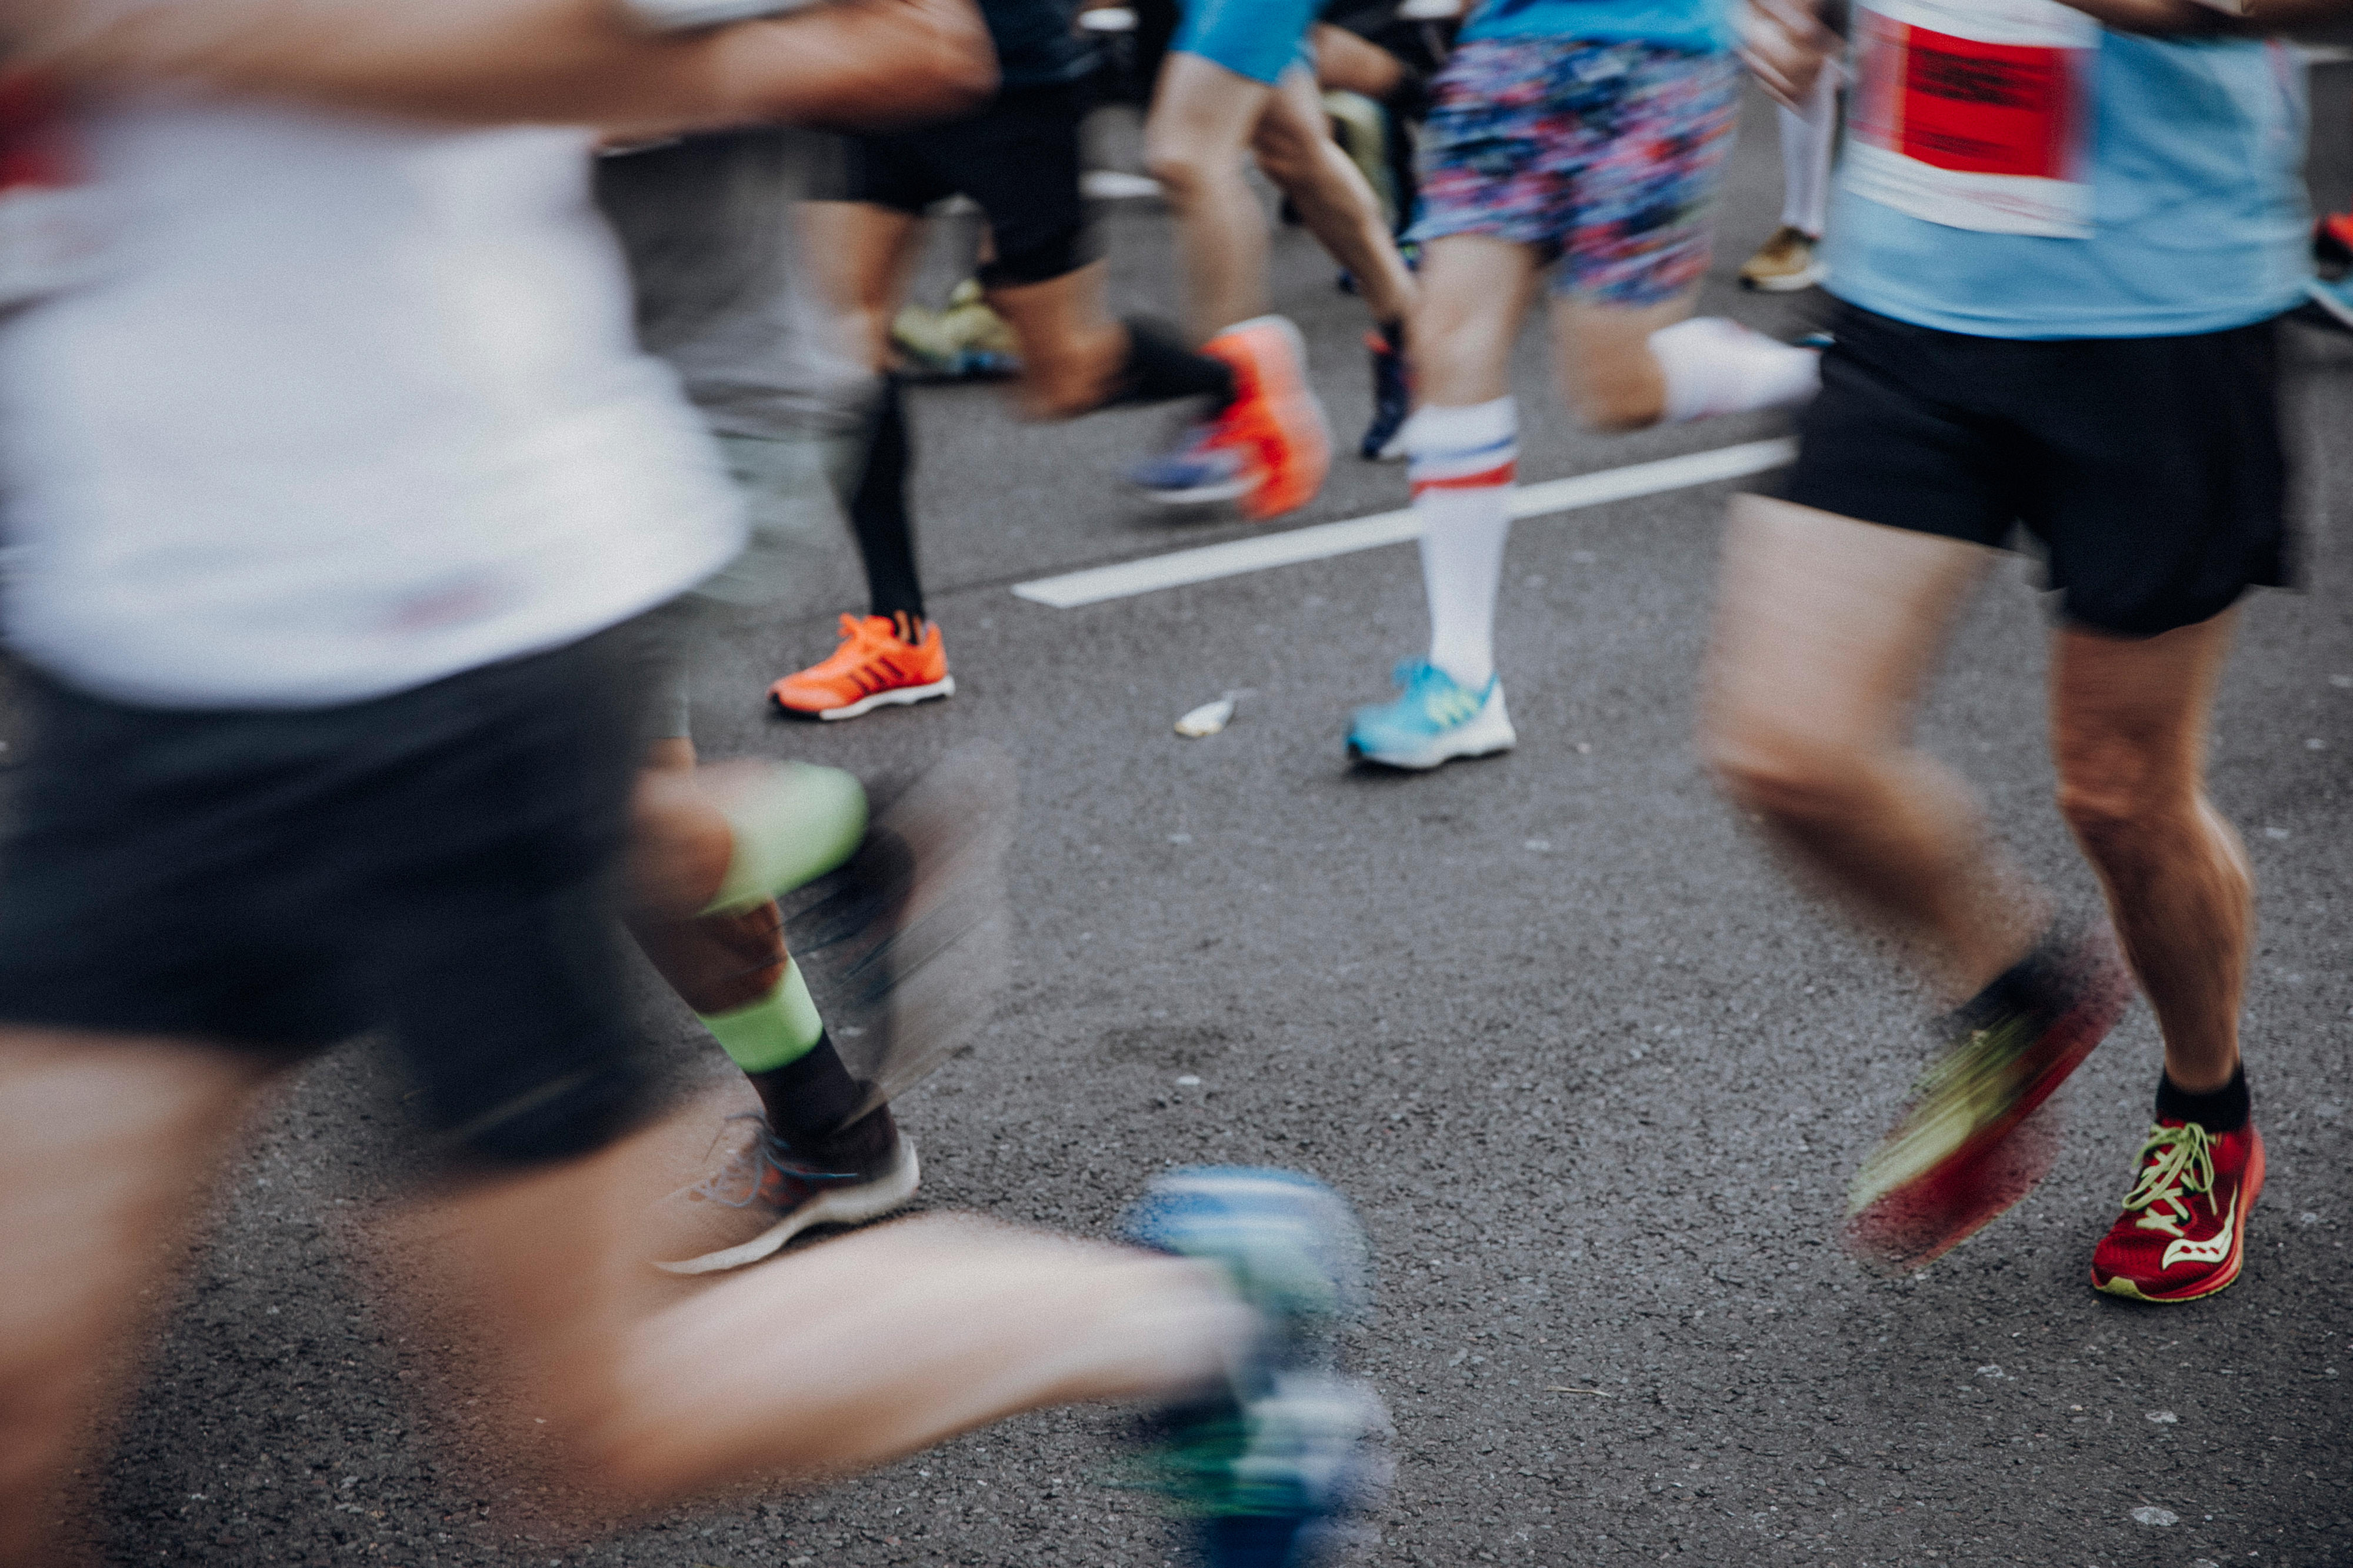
column 1789, row 283
column 1436, row 756
column 1911, row 1225
column 892, row 1190
column 896, row 696
column 1201, row 495
column 2251, row 1187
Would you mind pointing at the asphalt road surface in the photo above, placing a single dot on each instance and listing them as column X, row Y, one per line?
column 1595, row 1073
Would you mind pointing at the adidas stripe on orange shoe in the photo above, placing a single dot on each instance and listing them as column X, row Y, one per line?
column 876, row 666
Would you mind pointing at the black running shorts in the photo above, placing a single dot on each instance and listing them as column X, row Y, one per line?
column 2150, row 470
column 1019, row 159
column 437, row 863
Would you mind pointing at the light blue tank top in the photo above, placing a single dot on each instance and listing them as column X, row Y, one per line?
column 2198, row 217
column 1702, row 25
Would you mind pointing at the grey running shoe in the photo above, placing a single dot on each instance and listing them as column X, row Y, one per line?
column 764, row 1192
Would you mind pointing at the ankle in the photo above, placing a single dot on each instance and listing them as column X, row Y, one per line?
column 2222, row 1107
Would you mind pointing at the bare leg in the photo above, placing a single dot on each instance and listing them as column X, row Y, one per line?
column 1474, row 295
column 927, row 1327
column 1295, row 150
column 862, row 256
column 1608, row 373
column 1826, row 633
column 1202, row 116
column 1350, row 64
column 2128, row 721
column 1072, row 351
column 108, row 1150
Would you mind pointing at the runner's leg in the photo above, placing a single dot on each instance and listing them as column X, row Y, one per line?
column 108, row 1147
column 2130, row 719
column 1827, row 632
column 1295, row 150
column 1202, row 116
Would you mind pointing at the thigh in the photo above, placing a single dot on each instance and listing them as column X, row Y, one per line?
column 109, row 1148
column 1827, row 629
column 1660, row 124
column 1203, row 110
column 1474, row 294
column 2162, row 493
column 1256, row 39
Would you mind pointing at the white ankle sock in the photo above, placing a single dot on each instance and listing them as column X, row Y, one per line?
column 1716, row 366
column 1461, row 462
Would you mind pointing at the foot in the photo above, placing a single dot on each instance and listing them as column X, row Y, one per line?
column 1291, row 1445
column 967, row 340
column 766, row 1191
column 1948, row 1168
column 1785, row 263
column 1275, row 419
column 2183, row 1231
column 881, row 662
column 1434, row 721
column 1200, row 469
column 1392, row 401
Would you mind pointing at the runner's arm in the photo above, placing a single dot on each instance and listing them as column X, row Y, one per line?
column 847, row 63
column 1785, row 44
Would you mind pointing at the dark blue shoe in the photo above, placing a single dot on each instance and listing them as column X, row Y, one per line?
column 1392, row 400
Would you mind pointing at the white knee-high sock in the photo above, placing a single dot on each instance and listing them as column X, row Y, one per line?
column 1461, row 462
column 1807, row 142
column 1716, row 366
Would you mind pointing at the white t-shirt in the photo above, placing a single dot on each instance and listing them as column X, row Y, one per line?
column 353, row 405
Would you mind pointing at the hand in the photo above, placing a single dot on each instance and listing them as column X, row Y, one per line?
column 1785, row 46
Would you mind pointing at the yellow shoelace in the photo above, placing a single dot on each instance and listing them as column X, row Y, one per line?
column 2184, row 1162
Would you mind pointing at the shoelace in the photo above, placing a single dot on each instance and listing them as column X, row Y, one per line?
column 2184, row 1161
column 768, row 1152
column 1979, row 1064
column 1436, row 693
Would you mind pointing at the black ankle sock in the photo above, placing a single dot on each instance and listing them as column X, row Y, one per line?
column 878, row 510
column 2031, row 984
column 1160, row 369
column 2224, row 1111
column 1393, row 334
column 809, row 1097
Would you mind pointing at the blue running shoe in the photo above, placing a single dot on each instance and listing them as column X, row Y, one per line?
column 1435, row 720
column 1392, row 399
column 1199, row 469
column 1269, row 1467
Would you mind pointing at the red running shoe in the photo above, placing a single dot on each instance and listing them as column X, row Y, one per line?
column 2183, row 1232
column 1951, row 1163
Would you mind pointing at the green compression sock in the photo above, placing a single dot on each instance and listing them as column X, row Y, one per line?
column 781, row 1028
column 791, row 827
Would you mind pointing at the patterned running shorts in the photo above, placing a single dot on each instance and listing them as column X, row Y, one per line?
column 1604, row 156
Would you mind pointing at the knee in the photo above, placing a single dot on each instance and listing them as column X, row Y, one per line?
column 1180, row 167
column 1778, row 770
column 2113, row 808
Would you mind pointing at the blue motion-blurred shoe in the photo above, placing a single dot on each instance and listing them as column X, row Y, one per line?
column 1269, row 1466
column 1434, row 721
column 1197, row 470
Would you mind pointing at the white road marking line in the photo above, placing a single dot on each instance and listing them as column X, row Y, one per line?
column 1179, row 567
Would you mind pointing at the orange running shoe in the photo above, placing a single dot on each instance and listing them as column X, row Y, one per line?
column 1275, row 419
column 875, row 666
